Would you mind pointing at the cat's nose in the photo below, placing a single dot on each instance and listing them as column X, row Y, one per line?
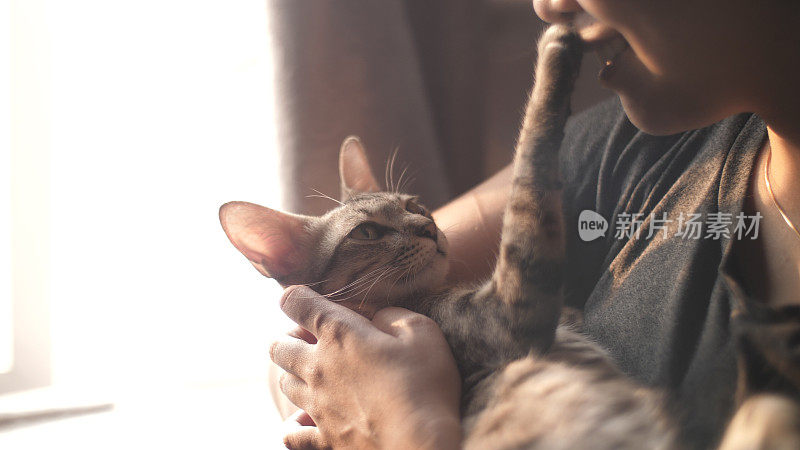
column 428, row 230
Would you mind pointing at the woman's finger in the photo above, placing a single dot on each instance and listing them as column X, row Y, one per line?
column 401, row 323
column 296, row 390
column 301, row 418
column 291, row 354
column 302, row 432
column 318, row 315
column 305, row 438
column 302, row 333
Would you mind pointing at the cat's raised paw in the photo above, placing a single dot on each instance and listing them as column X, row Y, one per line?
column 560, row 36
column 559, row 60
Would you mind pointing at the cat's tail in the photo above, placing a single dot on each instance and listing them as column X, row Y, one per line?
column 528, row 274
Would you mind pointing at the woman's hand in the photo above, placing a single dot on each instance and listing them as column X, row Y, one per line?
column 386, row 383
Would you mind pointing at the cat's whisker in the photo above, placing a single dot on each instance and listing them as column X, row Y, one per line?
column 317, row 196
column 394, row 283
column 314, row 283
column 414, row 277
column 350, row 291
column 408, row 181
column 321, row 195
column 450, row 227
column 364, row 300
column 359, row 280
column 386, row 175
column 406, row 274
column 389, row 291
column 356, row 285
column 356, row 281
column 391, row 170
column 362, row 288
column 405, row 269
column 349, row 294
column 400, row 179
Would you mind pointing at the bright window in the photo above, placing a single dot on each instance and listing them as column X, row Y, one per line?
column 161, row 112
column 157, row 112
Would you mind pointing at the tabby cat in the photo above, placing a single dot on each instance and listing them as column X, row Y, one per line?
column 530, row 379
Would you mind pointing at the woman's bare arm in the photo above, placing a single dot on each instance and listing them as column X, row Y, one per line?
column 472, row 225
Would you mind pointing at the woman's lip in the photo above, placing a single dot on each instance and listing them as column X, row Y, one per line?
column 599, row 37
column 591, row 31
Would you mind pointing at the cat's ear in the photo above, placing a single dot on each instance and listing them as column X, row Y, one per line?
column 277, row 243
column 354, row 171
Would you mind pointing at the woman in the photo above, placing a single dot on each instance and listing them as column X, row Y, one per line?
column 659, row 294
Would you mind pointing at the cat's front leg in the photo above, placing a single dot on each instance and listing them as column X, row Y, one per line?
column 529, row 268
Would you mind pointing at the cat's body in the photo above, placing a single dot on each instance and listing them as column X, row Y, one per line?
column 529, row 382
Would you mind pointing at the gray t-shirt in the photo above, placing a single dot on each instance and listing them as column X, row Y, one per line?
column 660, row 299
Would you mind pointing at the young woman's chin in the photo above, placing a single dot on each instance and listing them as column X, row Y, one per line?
column 665, row 115
column 662, row 106
column 651, row 118
column 660, row 101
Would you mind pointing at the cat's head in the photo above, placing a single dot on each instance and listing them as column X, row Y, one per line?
column 372, row 251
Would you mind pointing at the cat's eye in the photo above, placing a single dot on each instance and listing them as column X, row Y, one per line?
column 415, row 208
column 368, row 231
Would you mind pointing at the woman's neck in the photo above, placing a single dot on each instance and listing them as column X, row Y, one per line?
column 771, row 265
column 775, row 97
column 784, row 173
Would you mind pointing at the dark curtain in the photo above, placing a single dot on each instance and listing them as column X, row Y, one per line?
column 444, row 81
